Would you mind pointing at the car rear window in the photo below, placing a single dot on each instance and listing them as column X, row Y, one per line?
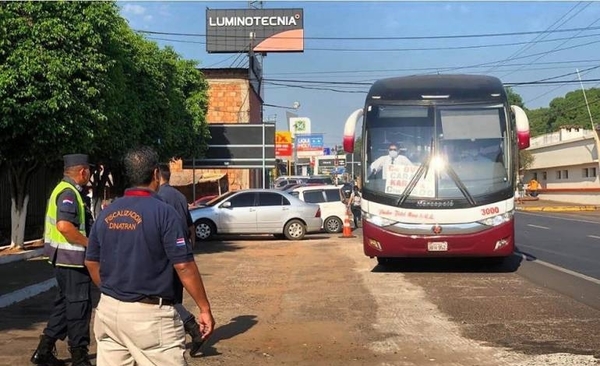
column 314, row 196
column 333, row 195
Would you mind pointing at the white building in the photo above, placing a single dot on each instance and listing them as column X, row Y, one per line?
column 566, row 165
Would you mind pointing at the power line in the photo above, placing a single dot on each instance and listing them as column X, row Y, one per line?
column 537, row 38
column 386, row 38
column 445, row 48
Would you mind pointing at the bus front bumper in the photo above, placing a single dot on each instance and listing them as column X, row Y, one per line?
column 497, row 241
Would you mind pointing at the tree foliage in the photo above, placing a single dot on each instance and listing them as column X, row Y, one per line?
column 75, row 78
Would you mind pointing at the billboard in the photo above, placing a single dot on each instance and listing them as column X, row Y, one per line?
column 299, row 125
column 283, row 144
column 309, row 145
column 265, row 30
column 237, row 145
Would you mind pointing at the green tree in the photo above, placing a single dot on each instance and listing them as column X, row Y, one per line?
column 513, row 97
column 75, row 77
column 526, row 160
column 51, row 76
column 571, row 110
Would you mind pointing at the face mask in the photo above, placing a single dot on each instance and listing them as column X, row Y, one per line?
column 393, row 154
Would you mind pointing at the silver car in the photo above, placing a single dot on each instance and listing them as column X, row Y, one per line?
column 257, row 211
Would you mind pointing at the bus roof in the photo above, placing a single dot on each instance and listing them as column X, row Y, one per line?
column 438, row 87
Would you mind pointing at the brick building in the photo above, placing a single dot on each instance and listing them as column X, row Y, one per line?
column 231, row 100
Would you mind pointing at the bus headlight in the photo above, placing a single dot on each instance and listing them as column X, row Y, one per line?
column 498, row 219
column 378, row 220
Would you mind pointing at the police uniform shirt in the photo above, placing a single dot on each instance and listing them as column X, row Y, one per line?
column 67, row 204
column 173, row 197
column 137, row 239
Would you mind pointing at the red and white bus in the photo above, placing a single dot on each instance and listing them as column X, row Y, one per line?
column 439, row 166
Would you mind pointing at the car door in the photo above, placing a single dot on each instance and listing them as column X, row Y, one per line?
column 271, row 212
column 237, row 215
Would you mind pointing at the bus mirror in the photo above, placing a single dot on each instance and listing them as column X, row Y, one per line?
column 522, row 124
column 350, row 129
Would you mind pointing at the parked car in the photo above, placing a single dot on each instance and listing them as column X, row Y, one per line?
column 331, row 200
column 257, row 211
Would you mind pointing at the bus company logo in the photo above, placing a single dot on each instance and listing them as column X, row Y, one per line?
column 435, row 204
column 436, row 229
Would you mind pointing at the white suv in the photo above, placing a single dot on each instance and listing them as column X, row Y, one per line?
column 330, row 199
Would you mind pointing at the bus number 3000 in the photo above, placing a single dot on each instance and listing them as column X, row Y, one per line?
column 490, row 211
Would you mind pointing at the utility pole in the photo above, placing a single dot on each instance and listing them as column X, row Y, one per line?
column 594, row 130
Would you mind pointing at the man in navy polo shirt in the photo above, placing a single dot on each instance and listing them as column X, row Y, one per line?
column 134, row 245
column 173, row 197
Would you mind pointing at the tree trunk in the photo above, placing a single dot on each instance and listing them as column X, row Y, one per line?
column 18, row 218
column 19, row 175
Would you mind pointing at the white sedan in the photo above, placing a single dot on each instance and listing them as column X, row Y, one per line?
column 257, row 211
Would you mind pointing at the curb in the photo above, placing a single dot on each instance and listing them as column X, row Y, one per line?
column 558, row 208
column 22, row 256
column 26, row 292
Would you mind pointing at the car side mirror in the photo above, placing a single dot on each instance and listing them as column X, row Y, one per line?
column 226, row 204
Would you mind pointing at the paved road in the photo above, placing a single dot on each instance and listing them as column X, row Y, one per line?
column 570, row 241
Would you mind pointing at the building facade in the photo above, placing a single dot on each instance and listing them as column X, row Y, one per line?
column 565, row 163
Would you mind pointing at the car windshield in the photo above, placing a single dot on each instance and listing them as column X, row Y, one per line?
column 445, row 152
column 219, row 199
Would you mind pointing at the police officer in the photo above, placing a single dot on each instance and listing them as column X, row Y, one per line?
column 65, row 238
column 176, row 199
column 135, row 244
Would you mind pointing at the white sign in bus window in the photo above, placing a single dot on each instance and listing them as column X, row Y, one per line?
column 470, row 124
column 399, row 175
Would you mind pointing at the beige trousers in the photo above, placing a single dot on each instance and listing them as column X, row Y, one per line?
column 136, row 334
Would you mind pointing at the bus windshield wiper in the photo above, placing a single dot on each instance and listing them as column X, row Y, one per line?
column 459, row 183
column 423, row 168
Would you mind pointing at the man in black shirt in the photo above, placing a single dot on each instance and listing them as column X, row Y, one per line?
column 173, row 197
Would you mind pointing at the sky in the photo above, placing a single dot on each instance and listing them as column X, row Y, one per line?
column 546, row 41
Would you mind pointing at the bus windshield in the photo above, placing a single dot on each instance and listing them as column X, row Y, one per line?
column 437, row 152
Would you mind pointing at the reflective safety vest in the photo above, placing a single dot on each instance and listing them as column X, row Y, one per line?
column 56, row 247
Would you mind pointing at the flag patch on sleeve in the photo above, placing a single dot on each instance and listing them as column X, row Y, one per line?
column 66, row 200
column 180, row 242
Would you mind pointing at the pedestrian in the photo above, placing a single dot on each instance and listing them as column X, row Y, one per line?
column 176, row 199
column 135, row 244
column 354, row 206
column 65, row 242
column 533, row 187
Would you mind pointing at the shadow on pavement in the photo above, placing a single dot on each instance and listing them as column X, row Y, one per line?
column 450, row 265
column 29, row 313
column 236, row 326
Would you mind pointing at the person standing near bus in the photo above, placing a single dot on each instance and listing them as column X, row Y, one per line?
column 354, row 206
column 135, row 244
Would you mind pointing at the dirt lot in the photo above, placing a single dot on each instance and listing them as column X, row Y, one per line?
column 321, row 302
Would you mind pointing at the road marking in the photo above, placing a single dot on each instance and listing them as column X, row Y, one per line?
column 26, row 292
column 558, row 268
column 594, row 236
column 539, row 227
column 557, row 218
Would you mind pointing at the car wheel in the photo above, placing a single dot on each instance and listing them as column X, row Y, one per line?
column 333, row 224
column 294, row 230
column 205, row 229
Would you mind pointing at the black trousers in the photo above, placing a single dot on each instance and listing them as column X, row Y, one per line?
column 357, row 214
column 72, row 307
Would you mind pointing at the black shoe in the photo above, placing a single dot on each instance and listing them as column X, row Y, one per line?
column 192, row 328
column 79, row 356
column 45, row 354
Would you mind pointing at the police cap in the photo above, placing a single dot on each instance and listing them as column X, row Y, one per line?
column 75, row 160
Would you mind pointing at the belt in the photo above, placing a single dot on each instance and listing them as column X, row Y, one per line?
column 155, row 300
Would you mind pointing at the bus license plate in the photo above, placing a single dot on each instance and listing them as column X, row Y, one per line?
column 437, row 246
